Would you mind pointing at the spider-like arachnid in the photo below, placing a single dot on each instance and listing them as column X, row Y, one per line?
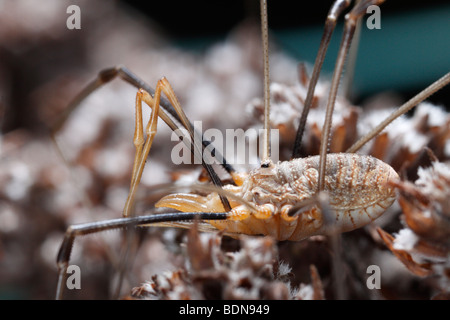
column 325, row 194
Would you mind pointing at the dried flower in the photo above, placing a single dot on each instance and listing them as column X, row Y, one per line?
column 253, row 272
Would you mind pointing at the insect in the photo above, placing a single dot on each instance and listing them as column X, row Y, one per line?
column 291, row 200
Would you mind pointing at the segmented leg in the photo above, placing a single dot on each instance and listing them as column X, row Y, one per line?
column 94, row 227
column 350, row 25
column 142, row 145
column 265, row 161
column 167, row 113
column 330, row 24
column 421, row 96
column 142, row 149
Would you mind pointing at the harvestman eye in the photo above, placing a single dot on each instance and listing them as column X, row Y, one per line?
column 325, row 194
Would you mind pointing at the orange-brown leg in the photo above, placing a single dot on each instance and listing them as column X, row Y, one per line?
column 165, row 86
column 142, row 145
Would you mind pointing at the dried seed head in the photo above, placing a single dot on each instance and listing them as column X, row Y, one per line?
column 286, row 107
column 424, row 245
column 209, row 273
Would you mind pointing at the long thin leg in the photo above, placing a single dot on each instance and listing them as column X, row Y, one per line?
column 138, row 139
column 321, row 200
column 142, row 149
column 165, row 86
column 141, row 153
column 123, row 73
column 424, row 94
column 335, row 11
column 350, row 24
column 265, row 161
column 347, row 79
column 171, row 96
column 143, row 146
column 94, row 227
column 104, row 77
column 335, row 238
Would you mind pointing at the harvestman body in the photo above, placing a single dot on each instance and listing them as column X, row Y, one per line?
column 291, row 200
column 357, row 189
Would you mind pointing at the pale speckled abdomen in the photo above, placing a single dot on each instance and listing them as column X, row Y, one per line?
column 356, row 186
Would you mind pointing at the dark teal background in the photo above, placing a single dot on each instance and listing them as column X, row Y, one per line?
column 411, row 50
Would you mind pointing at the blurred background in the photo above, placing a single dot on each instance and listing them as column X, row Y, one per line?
column 209, row 51
column 389, row 58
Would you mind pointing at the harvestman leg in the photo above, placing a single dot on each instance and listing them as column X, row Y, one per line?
column 411, row 103
column 143, row 147
column 94, row 227
column 167, row 113
column 321, row 200
column 351, row 20
column 330, row 24
column 142, row 150
column 351, row 23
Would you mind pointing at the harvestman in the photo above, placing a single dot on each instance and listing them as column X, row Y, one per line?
column 291, row 200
